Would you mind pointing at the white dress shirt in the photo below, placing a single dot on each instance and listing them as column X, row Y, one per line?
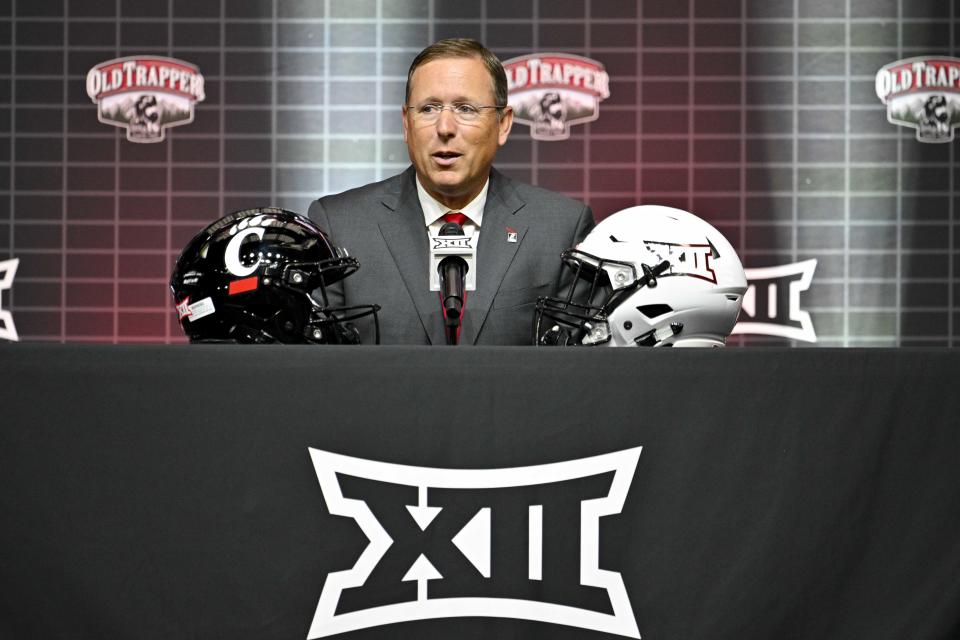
column 433, row 211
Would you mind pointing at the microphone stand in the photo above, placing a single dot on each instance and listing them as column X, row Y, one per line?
column 453, row 297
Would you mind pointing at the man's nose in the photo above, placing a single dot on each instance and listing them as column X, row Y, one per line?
column 446, row 124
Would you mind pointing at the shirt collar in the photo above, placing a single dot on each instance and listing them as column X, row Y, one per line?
column 434, row 210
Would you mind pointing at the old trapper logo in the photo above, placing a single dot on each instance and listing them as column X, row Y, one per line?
column 552, row 91
column 923, row 93
column 145, row 94
column 521, row 542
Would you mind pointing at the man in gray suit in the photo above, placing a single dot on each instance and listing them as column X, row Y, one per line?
column 454, row 120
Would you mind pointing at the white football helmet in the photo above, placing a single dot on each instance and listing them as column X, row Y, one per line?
column 656, row 276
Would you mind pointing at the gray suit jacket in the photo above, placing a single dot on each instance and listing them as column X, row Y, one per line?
column 382, row 225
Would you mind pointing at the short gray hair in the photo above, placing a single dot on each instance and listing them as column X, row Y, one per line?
column 464, row 48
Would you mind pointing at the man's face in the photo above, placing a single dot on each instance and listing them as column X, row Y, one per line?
column 453, row 159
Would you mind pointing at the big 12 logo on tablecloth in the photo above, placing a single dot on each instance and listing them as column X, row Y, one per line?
column 519, row 542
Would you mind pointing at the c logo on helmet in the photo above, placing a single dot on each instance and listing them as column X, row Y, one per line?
column 231, row 257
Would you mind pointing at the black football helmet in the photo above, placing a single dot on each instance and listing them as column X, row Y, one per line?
column 253, row 276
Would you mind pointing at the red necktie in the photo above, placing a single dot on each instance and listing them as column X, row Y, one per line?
column 455, row 216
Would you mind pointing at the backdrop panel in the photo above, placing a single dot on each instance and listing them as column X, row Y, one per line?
column 761, row 116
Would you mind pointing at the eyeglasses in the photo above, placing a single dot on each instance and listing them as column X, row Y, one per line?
column 463, row 112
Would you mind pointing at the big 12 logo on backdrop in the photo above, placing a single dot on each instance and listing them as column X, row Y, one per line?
column 771, row 305
column 8, row 269
column 520, row 542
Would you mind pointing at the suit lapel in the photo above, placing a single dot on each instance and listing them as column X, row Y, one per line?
column 494, row 253
column 406, row 238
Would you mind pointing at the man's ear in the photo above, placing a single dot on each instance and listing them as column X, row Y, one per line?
column 403, row 116
column 506, row 123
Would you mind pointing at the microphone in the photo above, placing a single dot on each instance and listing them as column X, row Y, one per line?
column 452, row 270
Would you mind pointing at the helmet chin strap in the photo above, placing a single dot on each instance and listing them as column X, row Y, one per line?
column 558, row 336
column 259, row 331
column 656, row 336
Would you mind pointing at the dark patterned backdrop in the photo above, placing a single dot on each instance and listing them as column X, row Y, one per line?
column 759, row 115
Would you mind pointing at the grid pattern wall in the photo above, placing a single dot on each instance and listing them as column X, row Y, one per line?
column 758, row 115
